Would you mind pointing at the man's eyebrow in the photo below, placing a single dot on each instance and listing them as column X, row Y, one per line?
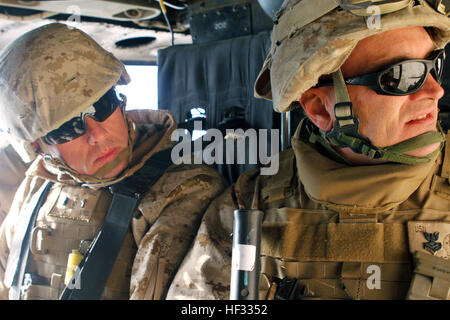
column 380, row 65
column 403, row 58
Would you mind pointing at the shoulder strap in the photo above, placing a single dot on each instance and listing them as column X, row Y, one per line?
column 97, row 263
column 279, row 186
column 20, row 247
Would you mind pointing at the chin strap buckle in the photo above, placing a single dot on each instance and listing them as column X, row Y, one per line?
column 346, row 121
column 345, row 129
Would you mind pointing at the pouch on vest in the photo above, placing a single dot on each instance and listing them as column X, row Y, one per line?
column 429, row 241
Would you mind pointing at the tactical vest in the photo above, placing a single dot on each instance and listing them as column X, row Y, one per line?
column 339, row 254
column 69, row 220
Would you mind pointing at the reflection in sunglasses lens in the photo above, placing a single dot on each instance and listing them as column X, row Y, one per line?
column 439, row 68
column 403, row 77
column 390, row 79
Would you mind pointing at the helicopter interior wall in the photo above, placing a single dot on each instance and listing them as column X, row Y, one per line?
column 216, row 76
column 444, row 103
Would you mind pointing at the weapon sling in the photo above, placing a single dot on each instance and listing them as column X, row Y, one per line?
column 94, row 269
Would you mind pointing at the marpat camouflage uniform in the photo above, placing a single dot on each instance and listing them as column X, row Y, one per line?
column 162, row 229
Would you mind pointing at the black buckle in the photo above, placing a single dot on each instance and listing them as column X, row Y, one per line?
column 126, row 189
column 346, row 123
column 287, row 289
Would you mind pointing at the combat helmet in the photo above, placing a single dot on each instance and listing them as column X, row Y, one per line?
column 313, row 38
column 48, row 76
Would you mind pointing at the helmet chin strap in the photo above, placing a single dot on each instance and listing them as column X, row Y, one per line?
column 345, row 134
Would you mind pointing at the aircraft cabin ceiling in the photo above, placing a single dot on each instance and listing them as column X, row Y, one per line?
column 133, row 30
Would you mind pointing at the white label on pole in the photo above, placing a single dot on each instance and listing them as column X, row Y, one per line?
column 243, row 257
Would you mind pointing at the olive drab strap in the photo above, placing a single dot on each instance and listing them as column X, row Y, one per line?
column 345, row 129
column 396, row 152
column 97, row 263
column 281, row 185
column 345, row 133
column 20, row 247
column 347, row 123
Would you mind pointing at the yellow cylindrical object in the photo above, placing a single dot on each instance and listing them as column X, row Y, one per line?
column 72, row 262
column 163, row 6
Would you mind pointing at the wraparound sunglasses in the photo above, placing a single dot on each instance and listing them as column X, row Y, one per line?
column 76, row 127
column 401, row 78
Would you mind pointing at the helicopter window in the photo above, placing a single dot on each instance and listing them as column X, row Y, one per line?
column 198, row 114
column 3, row 137
column 142, row 91
column 195, row 117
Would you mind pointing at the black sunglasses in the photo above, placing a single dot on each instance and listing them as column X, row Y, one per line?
column 401, row 78
column 76, row 127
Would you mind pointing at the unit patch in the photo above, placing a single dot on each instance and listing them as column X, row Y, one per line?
column 432, row 245
column 430, row 237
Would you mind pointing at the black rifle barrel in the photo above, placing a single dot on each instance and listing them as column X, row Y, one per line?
column 245, row 265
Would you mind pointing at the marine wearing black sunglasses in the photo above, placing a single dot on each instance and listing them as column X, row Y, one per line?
column 76, row 127
column 401, row 78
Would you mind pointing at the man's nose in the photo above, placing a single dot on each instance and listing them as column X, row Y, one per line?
column 95, row 131
column 431, row 89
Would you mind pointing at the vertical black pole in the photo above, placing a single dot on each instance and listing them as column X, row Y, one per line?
column 245, row 265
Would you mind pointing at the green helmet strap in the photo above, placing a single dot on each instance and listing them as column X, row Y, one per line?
column 346, row 123
column 395, row 153
column 345, row 134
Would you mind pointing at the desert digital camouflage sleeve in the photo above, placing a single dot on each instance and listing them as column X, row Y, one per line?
column 206, row 270
column 12, row 174
column 171, row 213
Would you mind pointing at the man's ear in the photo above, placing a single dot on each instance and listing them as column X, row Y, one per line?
column 314, row 102
column 46, row 149
column 36, row 146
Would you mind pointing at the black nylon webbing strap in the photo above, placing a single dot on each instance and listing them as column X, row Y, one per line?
column 97, row 266
column 20, row 248
column 88, row 283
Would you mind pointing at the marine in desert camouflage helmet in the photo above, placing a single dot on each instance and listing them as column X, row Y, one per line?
column 312, row 40
column 49, row 77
